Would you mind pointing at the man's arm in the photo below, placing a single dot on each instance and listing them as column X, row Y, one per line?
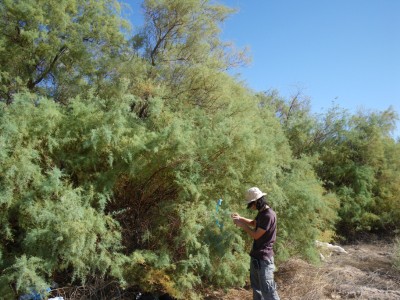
column 255, row 234
column 248, row 222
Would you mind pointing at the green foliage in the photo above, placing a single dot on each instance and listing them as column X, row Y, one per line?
column 355, row 159
column 307, row 210
column 47, row 222
column 387, row 188
column 112, row 164
column 353, row 168
column 58, row 48
column 182, row 44
column 24, row 273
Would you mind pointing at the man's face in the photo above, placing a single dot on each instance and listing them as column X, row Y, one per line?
column 253, row 206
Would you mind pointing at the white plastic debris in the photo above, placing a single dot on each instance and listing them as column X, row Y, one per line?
column 330, row 247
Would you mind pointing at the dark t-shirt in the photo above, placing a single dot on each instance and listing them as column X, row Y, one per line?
column 262, row 248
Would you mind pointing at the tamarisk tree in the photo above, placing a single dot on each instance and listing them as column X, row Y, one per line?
column 115, row 148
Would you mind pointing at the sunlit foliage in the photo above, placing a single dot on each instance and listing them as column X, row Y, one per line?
column 115, row 148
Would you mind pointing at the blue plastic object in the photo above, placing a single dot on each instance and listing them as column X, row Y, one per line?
column 219, row 203
column 34, row 295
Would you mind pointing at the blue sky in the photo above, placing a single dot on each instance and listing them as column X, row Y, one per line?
column 336, row 52
column 342, row 52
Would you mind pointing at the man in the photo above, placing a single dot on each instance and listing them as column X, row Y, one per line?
column 263, row 230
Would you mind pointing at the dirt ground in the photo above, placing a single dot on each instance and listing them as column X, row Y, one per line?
column 364, row 272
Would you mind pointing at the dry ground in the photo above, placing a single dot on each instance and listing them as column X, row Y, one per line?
column 366, row 272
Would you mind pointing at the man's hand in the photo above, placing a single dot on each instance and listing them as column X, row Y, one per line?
column 239, row 223
column 238, row 220
column 235, row 216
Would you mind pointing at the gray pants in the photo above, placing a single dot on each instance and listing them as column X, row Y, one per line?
column 262, row 279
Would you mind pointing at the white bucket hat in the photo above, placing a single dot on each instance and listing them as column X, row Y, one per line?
column 253, row 194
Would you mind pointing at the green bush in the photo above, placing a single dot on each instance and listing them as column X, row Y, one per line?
column 111, row 167
column 90, row 189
